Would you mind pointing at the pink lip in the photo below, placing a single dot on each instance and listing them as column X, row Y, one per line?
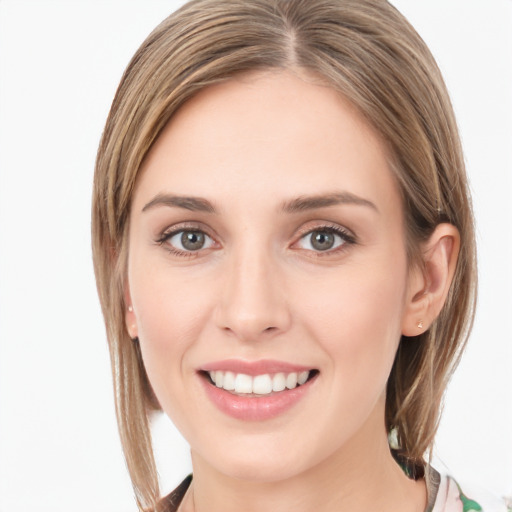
column 253, row 407
column 254, row 367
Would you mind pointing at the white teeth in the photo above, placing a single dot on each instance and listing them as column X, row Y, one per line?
column 243, row 383
column 291, row 380
column 302, row 378
column 279, row 382
column 262, row 384
column 229, row 381
column 259, row 384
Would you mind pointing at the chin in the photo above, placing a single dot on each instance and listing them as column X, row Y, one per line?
column 267, row 471
column 256, row 464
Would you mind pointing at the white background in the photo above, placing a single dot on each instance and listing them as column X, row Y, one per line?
column 60, row 62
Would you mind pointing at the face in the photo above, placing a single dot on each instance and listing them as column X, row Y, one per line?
column 268, row 276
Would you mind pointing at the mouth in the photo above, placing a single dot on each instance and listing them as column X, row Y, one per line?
column 259, row 390
column 260, row 385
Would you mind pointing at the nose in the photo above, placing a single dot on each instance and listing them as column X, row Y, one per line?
column 253, row 304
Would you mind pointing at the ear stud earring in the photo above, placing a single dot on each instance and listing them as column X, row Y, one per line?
column 130, row 309
column 420, row 325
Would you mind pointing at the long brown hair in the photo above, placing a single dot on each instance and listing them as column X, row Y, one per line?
column 366, row 50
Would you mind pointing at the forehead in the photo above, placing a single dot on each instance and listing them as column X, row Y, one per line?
column 264, row 131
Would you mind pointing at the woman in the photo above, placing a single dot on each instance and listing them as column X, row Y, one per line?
column 284, row 250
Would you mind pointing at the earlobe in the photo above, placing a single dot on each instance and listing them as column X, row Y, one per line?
column 129, row 315
column 430, row 283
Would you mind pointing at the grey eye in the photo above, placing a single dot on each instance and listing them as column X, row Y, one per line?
column 190, row 241
column 321, row 240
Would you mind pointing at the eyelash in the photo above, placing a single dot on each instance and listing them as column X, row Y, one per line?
column 168, row 235
column 346, row 239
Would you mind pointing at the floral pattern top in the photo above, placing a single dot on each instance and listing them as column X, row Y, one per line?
column 451, row 498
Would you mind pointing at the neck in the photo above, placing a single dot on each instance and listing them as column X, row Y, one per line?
column 361, row 476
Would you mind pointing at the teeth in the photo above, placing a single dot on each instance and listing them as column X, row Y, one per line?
column 279, row 382
column 243, row 383
column 291, row 380
column 262, row 384
column 229, row 381
column 259, row 384
column 219, row 379
column 302, row 378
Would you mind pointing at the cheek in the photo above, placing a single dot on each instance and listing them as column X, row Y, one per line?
column 356, row 318
column 170, row 314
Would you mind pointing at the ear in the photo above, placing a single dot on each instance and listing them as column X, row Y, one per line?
column 129, row 316
column 430, row 280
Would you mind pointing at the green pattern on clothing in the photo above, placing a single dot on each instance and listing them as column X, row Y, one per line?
column 468, row 505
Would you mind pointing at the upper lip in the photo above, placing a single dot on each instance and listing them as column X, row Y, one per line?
column 253, row 368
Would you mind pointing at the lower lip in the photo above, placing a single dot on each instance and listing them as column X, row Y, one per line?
column 253, row 407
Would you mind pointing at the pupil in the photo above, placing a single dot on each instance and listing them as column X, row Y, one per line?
column 322, row 241
column 192, row 240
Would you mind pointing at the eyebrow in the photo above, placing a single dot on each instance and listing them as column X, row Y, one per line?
column 194, row 204
column 297, row 205
column 304, row 203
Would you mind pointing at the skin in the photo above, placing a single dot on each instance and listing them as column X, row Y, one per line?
column 258, row 290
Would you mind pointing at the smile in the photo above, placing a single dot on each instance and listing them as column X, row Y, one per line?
column 265, row 384
column 256, row 391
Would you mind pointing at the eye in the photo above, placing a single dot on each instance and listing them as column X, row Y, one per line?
column 324, row 239
column 187, row 240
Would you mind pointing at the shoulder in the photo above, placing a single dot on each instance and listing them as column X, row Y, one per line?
column 452, row 497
